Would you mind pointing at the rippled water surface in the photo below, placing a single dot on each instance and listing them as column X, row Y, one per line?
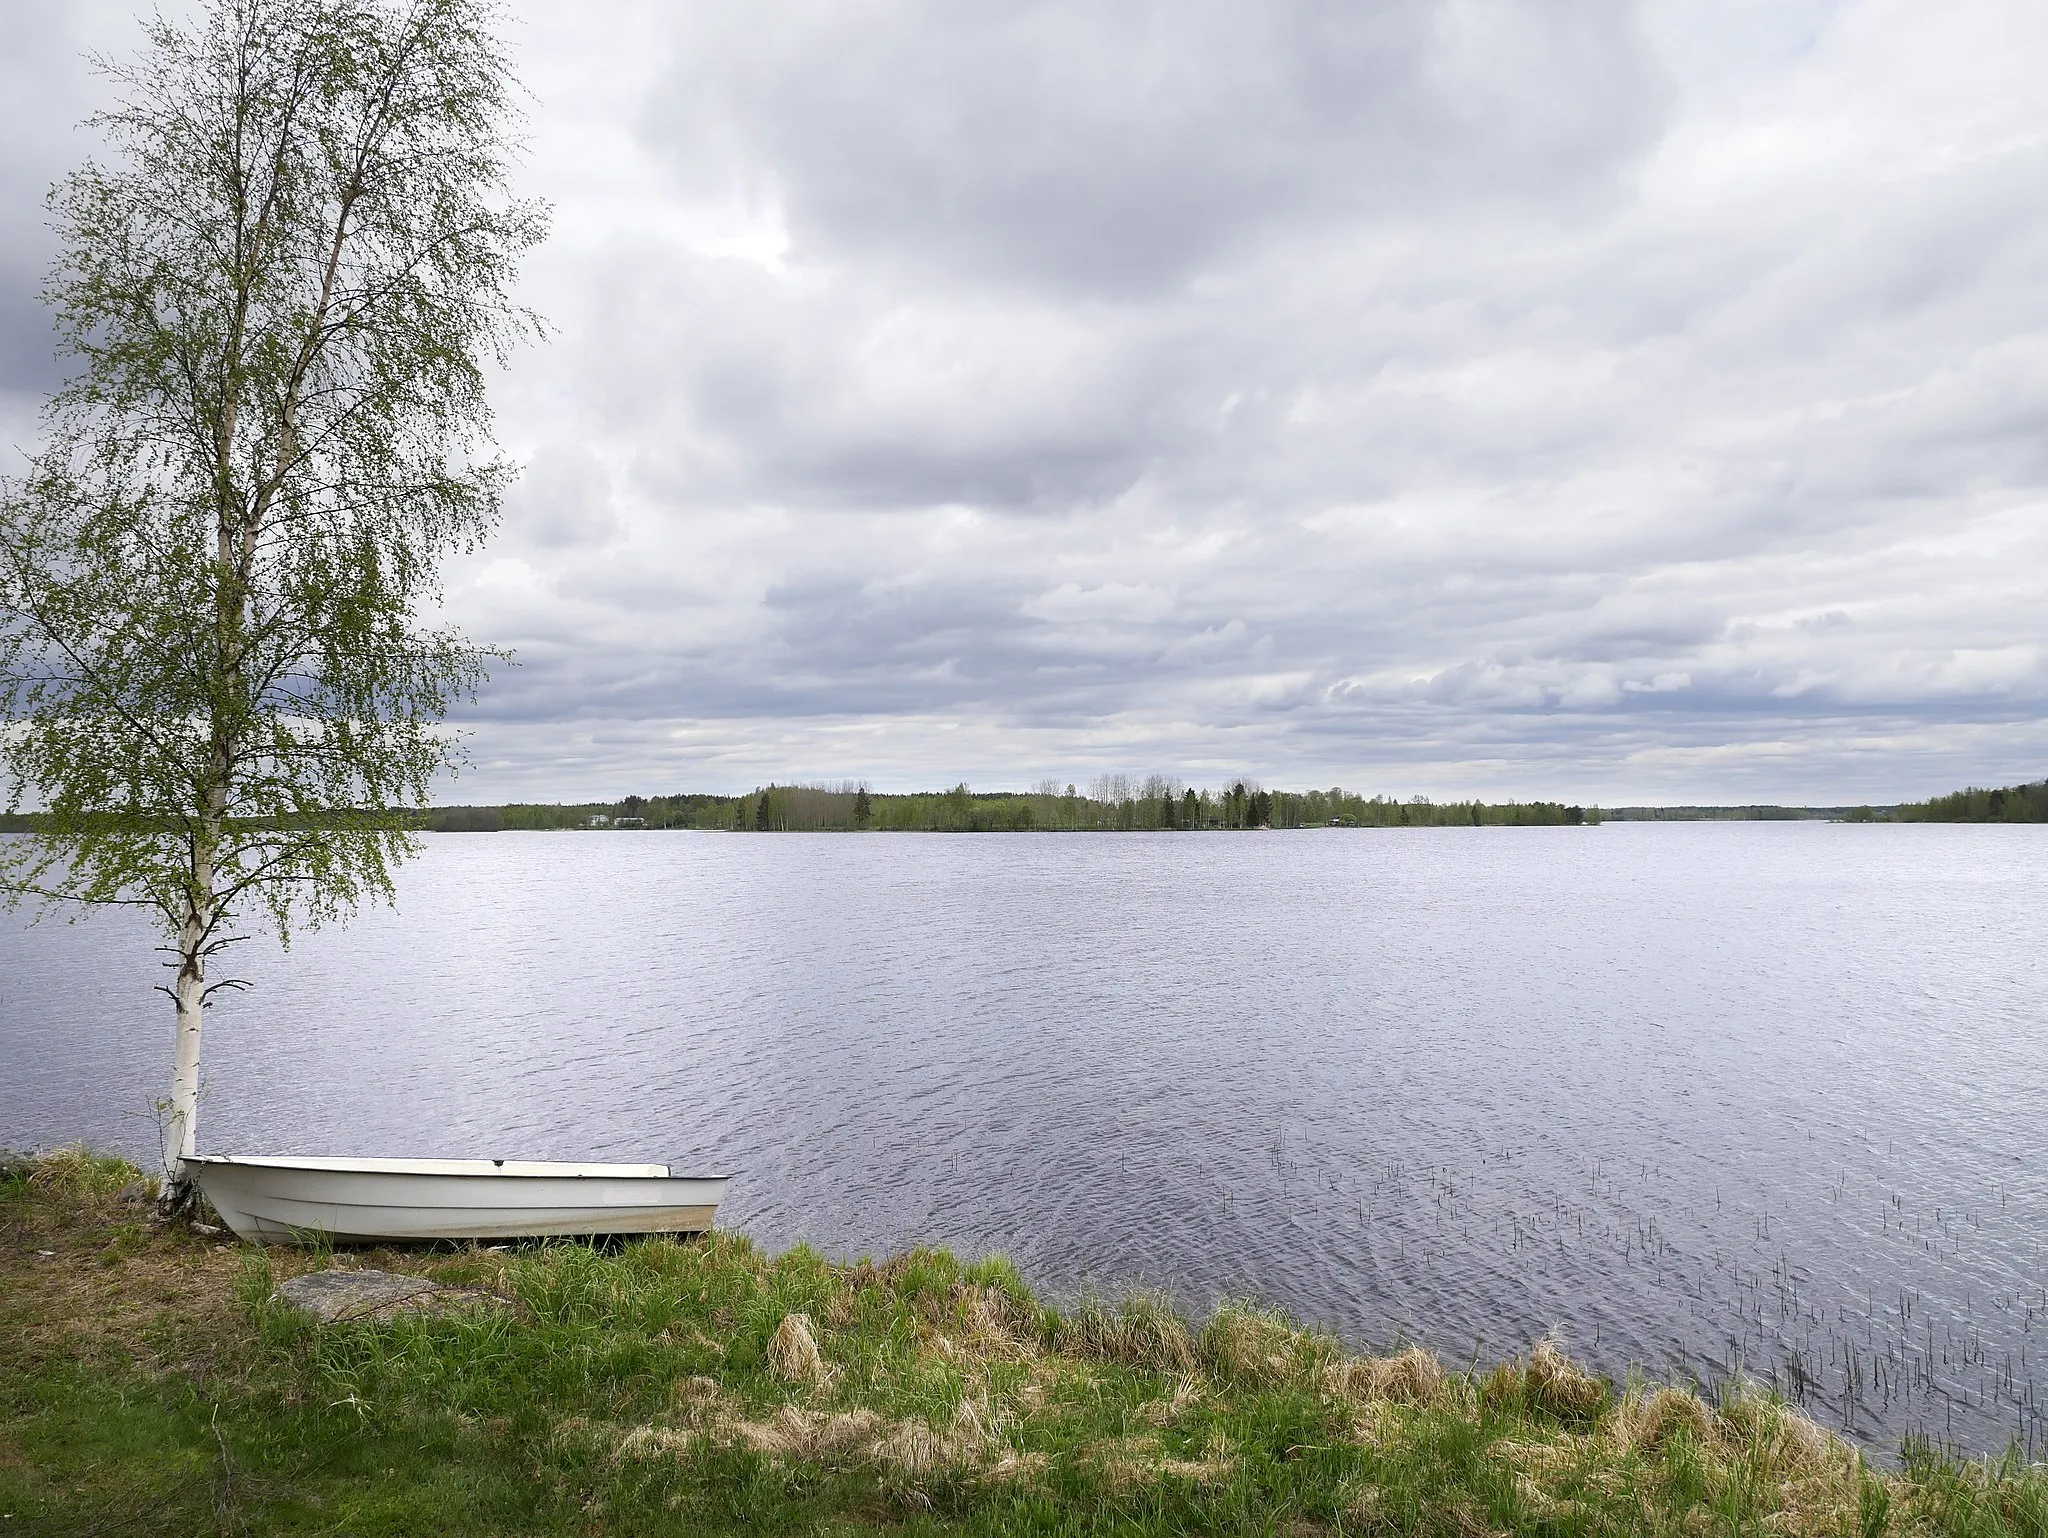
column 1697, row 1096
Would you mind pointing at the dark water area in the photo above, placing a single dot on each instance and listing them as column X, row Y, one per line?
column 1700, row 1098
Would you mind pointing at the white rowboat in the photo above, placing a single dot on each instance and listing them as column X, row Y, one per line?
column 291, row 1201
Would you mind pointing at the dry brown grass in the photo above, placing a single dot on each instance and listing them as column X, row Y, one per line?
column 1143, row 1332
column 796, row 1433
column 1814, row 1479
column 913, row 1449
column 649, row 1443
column 1364, row 1506
column 1546, row 1458
column 793, row 1354
column 1253, row 1346
column 1013, row 1467
column 1415, row 1377
column 1124, row 1462
column 1559, row 1386
column 1646, row 1423
column 696, row 1394
column 1797, row 1476
column 1187, row 1394
column 997, row 1327
column 905, row 1447
column 908, row 1447
column 1801, row 1478
column 1049, row 1382
column 1134, row 1460
column 984, row 1333
column 1548, row 1383
column 1218, row 1462
column 1784, row 1442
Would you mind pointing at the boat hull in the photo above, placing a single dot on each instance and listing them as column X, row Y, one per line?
column 348, row 1201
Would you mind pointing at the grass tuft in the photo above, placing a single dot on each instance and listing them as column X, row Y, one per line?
column 1141, row 1331
column 1256, row 1346
column 1548, row 1385
column 75, row 1174
column 793, row 1354
column 1647, row 1424
column 1415, row 1377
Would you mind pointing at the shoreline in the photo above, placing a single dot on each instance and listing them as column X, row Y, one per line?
column 661, row 1385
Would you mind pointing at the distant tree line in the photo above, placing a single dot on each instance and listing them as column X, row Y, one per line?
column 2014, row 803
column 1156, row 803
column 1725, row 813
column 1120, row 803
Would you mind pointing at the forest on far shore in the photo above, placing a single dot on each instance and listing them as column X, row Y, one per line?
column 1163, row 803
column 2014, row 803
column 1157, row 803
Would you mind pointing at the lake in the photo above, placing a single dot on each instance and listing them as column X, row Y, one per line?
column 1697, row 1097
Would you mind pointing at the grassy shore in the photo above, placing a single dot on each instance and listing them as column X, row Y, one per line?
column 148, row 1383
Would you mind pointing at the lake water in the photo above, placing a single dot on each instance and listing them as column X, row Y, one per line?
column 1698, row 1097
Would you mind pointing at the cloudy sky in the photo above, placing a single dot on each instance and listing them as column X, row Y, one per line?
column 1612, row 401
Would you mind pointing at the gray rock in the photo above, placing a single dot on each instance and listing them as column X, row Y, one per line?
column 334, row 1296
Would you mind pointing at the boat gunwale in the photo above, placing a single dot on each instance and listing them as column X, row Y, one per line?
column 448, row 1169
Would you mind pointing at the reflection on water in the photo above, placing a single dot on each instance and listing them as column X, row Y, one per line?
column 1699, row 1097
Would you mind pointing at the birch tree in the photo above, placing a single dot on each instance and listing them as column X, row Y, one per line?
column 223, row 685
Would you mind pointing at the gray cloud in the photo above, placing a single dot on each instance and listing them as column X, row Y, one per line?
column 563, row 498
column 1119, row 149
column 1609, row 400
column 42, row 92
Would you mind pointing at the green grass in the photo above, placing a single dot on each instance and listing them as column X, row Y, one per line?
column 148, row 1383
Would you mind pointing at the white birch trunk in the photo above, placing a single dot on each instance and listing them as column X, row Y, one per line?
column 181, row 1119
column 181, row 1122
